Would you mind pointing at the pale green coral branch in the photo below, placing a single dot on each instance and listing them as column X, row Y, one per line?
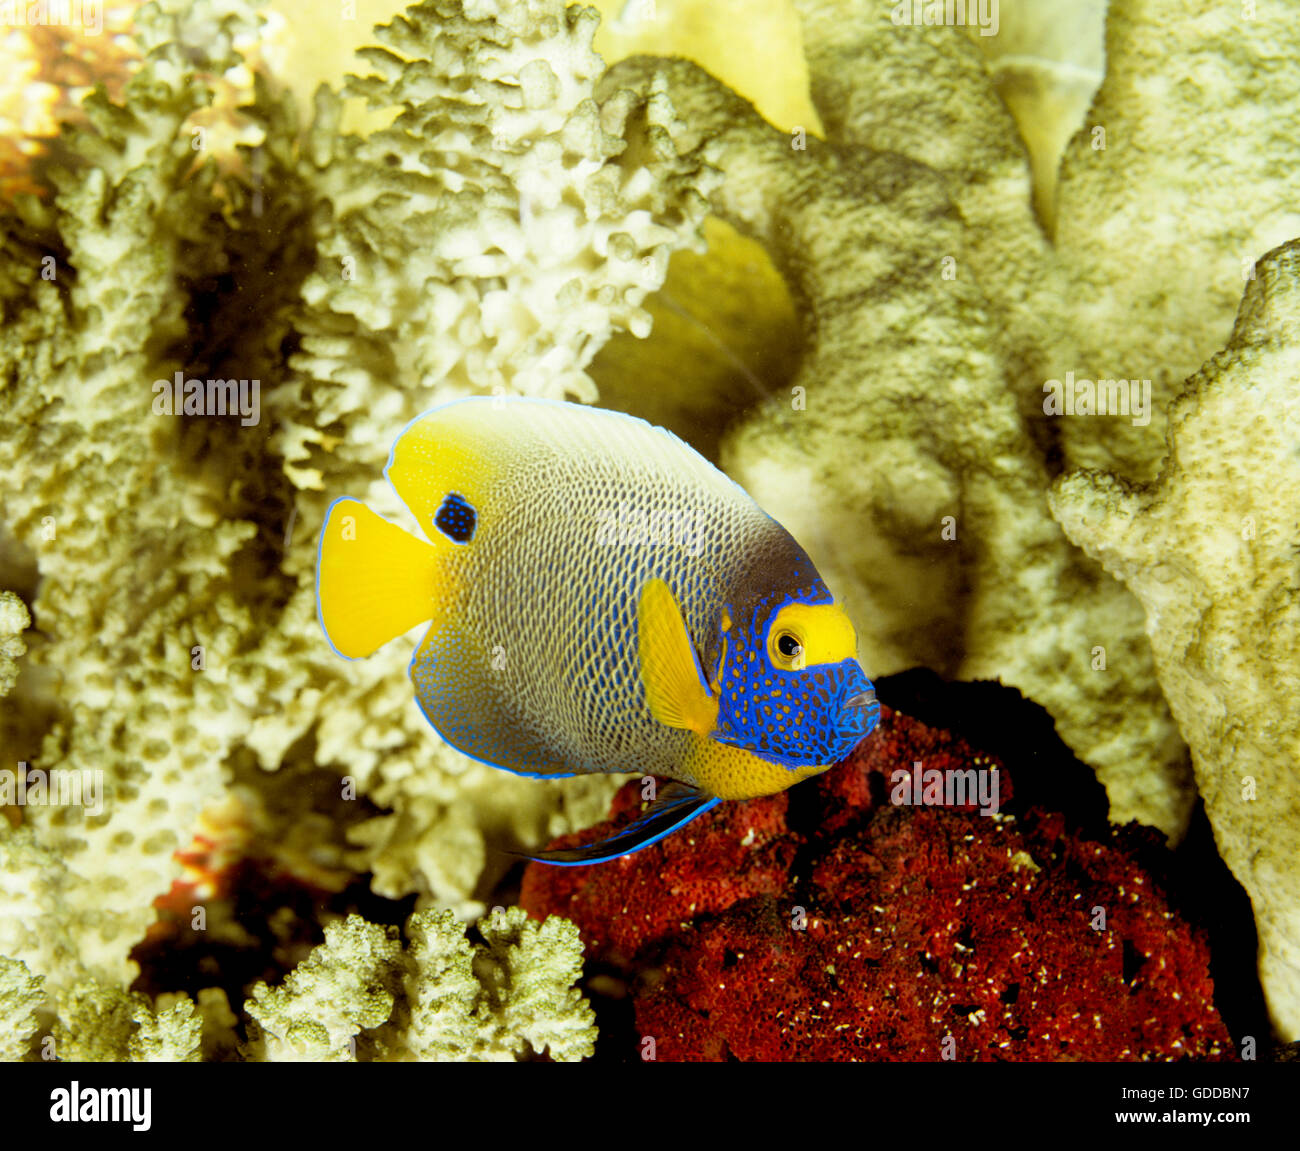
column 14, row 620
column 443, row 998
column 20, row 996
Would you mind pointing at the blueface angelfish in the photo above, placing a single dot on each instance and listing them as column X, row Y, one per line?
column 601, row 599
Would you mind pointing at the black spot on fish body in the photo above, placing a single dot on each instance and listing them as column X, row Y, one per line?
column 456, row 518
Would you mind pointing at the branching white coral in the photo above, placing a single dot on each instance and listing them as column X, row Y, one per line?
column 531, row 997
column 448, row 999
column 99, row 1024
column 20, row 996
column 508, row 224
column 14, row 620
column 344, row 986
column 133, row 557
column 91, row 1022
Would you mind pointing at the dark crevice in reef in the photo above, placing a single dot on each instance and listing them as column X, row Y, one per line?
column 618, row 1040
column 997, row 719
column 270, row 899
column 239, row 327
column 803, row 813
column 1203, row 890
column 281, row 924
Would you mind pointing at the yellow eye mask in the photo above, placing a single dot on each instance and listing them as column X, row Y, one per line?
column 805, row 635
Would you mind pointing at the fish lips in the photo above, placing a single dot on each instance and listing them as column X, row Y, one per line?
column 859, row 710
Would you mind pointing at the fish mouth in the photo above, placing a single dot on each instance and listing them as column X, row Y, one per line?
column 861, row 711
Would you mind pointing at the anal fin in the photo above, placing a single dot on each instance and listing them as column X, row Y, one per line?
column 676, row 805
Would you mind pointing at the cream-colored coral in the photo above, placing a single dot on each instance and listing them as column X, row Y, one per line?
column 99, row 1024
column 90, row 1022
column 1181, row 177
column 48, row 913
column 529, row 980
column 442, row 990
column 510, row 223
column 20, row 996
column 492, row 237
column 345, row 985
column 517, row 995
column 443, row 998
column 901, row 459
column 14, row 620
column 1210, row 549
column 133, row 553
column 514, row 997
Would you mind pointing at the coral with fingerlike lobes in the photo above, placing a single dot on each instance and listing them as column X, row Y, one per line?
column 845, row 921
column 361, row 995
column 157, row 571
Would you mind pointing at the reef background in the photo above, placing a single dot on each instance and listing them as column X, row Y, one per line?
column 846, row 283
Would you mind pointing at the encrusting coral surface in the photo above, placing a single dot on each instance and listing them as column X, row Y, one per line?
column 838, row 924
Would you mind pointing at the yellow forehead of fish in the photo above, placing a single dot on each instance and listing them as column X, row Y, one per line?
column 822, row 631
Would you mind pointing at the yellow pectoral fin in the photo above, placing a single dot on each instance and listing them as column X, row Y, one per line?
column 374, row 581
column 674, row 685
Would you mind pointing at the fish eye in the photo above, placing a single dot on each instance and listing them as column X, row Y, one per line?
column 788, row 645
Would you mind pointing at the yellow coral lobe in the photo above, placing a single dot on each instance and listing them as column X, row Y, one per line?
column 752, row 46
column 822, row 631
column 733, row 773
column 374, row 580
column 674, row 684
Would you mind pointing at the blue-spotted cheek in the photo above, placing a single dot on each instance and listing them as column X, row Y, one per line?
column 800, row 718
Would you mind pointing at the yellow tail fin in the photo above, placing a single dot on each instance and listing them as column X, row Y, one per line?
column 374, row 581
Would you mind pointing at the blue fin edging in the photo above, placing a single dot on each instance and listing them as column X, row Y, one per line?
column 675, row 807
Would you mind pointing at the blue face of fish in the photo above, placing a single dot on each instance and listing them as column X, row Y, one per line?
column 790, row 688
